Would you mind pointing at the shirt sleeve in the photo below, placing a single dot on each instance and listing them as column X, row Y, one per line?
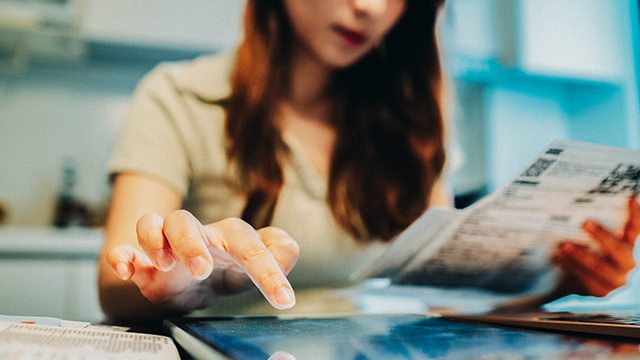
column 149, row 142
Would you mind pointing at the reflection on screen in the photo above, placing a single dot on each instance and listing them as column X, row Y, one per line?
column 391, row 337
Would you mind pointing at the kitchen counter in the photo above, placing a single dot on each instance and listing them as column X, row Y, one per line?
column 45, row 271
column 49, row 242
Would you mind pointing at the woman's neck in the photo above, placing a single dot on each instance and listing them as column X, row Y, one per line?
column 305, row 112
column 309, row 80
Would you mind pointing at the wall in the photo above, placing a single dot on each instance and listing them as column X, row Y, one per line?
column 53, row 114
column 52, row 110
column 565, row 70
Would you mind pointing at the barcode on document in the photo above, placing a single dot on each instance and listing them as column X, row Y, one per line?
column 538, row 167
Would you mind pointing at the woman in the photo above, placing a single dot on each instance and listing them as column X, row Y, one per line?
column 324, row 127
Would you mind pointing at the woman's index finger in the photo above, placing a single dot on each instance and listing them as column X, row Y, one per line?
column 244, row 245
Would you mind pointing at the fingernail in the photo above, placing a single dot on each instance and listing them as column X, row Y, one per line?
column 281, row 355
column 285, row 297
column 165, row 261
column 590, row 226
column 567, row 246
column 123, row 271
column 200, row 267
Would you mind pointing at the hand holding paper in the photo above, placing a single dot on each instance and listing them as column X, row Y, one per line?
column 589, row 272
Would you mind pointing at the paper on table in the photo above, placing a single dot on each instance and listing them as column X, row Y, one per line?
column 26, row 341
column 504, row 241
column 50, row 321
column 38, row 320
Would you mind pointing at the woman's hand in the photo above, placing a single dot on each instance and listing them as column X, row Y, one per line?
column 589, row 272
column 183, row 264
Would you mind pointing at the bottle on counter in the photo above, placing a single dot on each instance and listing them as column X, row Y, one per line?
column 70, row 211
column 3, row 213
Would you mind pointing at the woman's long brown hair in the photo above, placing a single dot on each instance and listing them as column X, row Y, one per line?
column 389, row 149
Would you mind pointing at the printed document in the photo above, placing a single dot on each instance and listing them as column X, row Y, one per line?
column 23, row 341
column 504, row 242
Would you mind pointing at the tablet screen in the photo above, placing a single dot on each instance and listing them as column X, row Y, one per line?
column 384, row 337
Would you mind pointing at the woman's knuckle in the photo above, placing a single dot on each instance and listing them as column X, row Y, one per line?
column 251, row 253
column 293, row 247
column 270, row 276
column 627, row 265
column 235, row 224
column 276, row 232
column 177, row 217
column 283, row 239
column 146, row 237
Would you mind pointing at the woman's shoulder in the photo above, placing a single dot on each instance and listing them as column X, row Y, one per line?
column 206, row 77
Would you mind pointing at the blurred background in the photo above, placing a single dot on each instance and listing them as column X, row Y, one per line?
column 523, row 73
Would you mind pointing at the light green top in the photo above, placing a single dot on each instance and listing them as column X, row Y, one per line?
column 175, row 133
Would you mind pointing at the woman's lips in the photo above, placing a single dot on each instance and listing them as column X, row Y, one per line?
column 351, row 36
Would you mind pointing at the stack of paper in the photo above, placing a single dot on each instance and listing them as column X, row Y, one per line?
column 23, row 338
